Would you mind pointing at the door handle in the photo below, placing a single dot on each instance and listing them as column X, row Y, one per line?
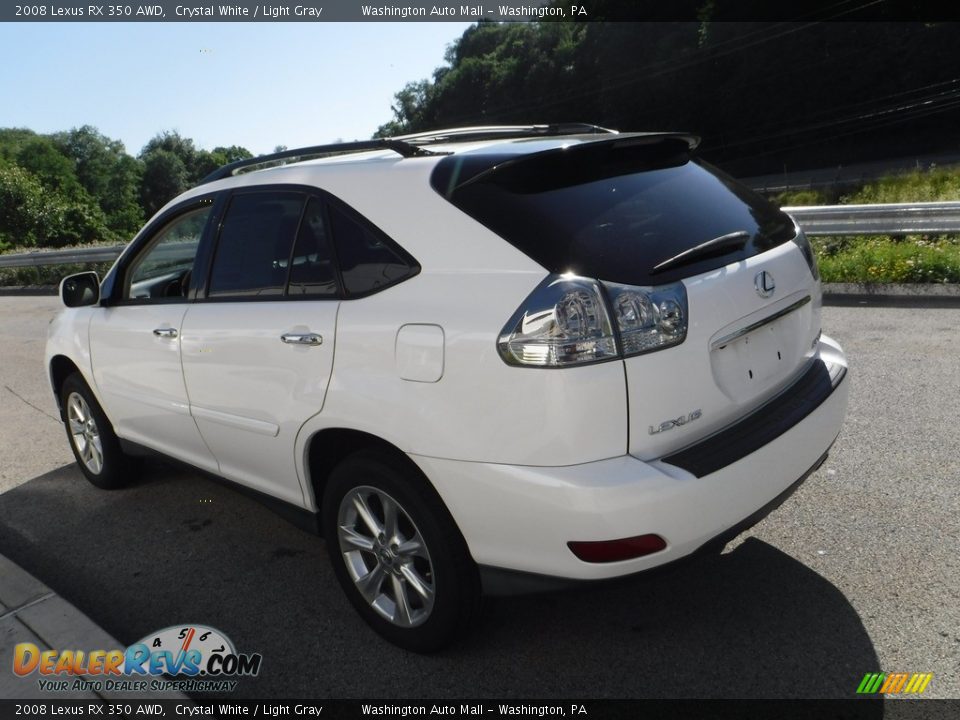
column 166, row 332
column 301, row 338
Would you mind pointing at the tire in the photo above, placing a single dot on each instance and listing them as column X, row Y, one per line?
column 421, row 598
column 91, row 437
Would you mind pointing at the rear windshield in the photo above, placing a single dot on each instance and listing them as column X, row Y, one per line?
column 614, row 212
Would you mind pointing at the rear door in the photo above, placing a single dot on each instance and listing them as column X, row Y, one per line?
column 258, row 344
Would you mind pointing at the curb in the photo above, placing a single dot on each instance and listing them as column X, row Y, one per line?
column 932, row 295
column 32, row 612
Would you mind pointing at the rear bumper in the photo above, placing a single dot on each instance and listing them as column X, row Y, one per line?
column 519, row 519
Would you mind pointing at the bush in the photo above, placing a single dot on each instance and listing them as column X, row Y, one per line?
column 917, row 259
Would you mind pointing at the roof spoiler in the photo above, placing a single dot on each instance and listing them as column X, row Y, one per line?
column 410, row 145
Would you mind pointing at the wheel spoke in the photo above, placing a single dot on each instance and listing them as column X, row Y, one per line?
column 355, row 539
column 76, row 409
column 83, row 447
column 412, row 547
column 403, row 602
column 417, row 583
column 369, row 585
column 96, row 454
column 389, row 517
column 363, row 510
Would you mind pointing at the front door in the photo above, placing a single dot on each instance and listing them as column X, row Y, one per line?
column 135, row 343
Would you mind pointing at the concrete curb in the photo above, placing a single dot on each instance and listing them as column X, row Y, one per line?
column 892, row 290
column 932, row 295
column 32, row 612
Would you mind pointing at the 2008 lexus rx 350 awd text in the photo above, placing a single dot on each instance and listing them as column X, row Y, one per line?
column 477, row 360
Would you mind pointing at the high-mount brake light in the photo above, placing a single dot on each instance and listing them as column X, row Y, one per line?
column 570, row 320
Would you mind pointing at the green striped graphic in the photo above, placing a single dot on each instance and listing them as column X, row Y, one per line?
column 867, row 679
column 871, row 683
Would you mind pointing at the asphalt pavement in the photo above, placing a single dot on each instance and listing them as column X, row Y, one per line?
column 858, row 572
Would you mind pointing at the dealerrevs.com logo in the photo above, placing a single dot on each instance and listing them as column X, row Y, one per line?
column 183, row 658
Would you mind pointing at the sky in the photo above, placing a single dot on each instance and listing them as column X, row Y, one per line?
column 252, row 84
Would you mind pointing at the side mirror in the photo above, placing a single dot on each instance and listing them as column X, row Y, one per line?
column 80, row 290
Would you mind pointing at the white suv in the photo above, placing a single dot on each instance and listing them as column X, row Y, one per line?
column 478, row 360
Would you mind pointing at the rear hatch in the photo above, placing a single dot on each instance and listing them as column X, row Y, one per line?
column 640, row 211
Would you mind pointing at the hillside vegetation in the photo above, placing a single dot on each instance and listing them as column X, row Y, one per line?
column 79, row 187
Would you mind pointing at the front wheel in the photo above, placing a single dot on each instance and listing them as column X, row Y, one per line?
column 91, row 436
column 398, row 554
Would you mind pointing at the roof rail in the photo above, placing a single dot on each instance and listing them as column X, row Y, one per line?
column 487, row 132
column 408, row 145
column 398, row 145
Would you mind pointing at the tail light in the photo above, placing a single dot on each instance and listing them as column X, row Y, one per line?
column 570, row 320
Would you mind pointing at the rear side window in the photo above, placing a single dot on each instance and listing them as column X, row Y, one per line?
column 312, row 271
column 615, row 212
column 256, row 240
column 368, row 261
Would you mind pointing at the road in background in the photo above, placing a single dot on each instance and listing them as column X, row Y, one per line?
column 858, row 572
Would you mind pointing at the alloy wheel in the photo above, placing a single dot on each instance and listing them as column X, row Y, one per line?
column 386, row 556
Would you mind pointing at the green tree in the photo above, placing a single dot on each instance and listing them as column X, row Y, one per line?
column 22, row 210
column 165, row 175
column 107, row 173
column 32, row 215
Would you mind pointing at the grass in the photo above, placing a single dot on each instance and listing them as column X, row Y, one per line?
column 928, row 185
column 882, row 258
column 915, row 259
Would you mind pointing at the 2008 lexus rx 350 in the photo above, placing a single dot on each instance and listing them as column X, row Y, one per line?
column 476, row 360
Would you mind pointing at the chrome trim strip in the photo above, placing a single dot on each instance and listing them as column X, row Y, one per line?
column 727, row 339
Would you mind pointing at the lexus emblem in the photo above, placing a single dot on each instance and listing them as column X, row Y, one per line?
column 764, row 284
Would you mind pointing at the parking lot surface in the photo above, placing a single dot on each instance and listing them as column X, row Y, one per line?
column 858, row 572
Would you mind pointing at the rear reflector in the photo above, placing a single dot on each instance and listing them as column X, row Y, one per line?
column 615, row 550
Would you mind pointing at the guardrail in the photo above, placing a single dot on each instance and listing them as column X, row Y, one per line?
column 891, row 219
column 62, row 257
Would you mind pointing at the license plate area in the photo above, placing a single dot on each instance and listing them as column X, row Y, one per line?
column 753, row 363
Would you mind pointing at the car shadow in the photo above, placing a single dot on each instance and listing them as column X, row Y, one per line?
column 175, row 548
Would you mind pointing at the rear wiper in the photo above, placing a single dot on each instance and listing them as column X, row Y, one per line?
column 724, row 243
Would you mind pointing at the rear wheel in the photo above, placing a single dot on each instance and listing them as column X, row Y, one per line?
column 94, row 444
column 398, row 554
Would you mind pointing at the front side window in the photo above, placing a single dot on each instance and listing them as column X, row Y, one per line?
column 256, row 240
column 162, row 270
